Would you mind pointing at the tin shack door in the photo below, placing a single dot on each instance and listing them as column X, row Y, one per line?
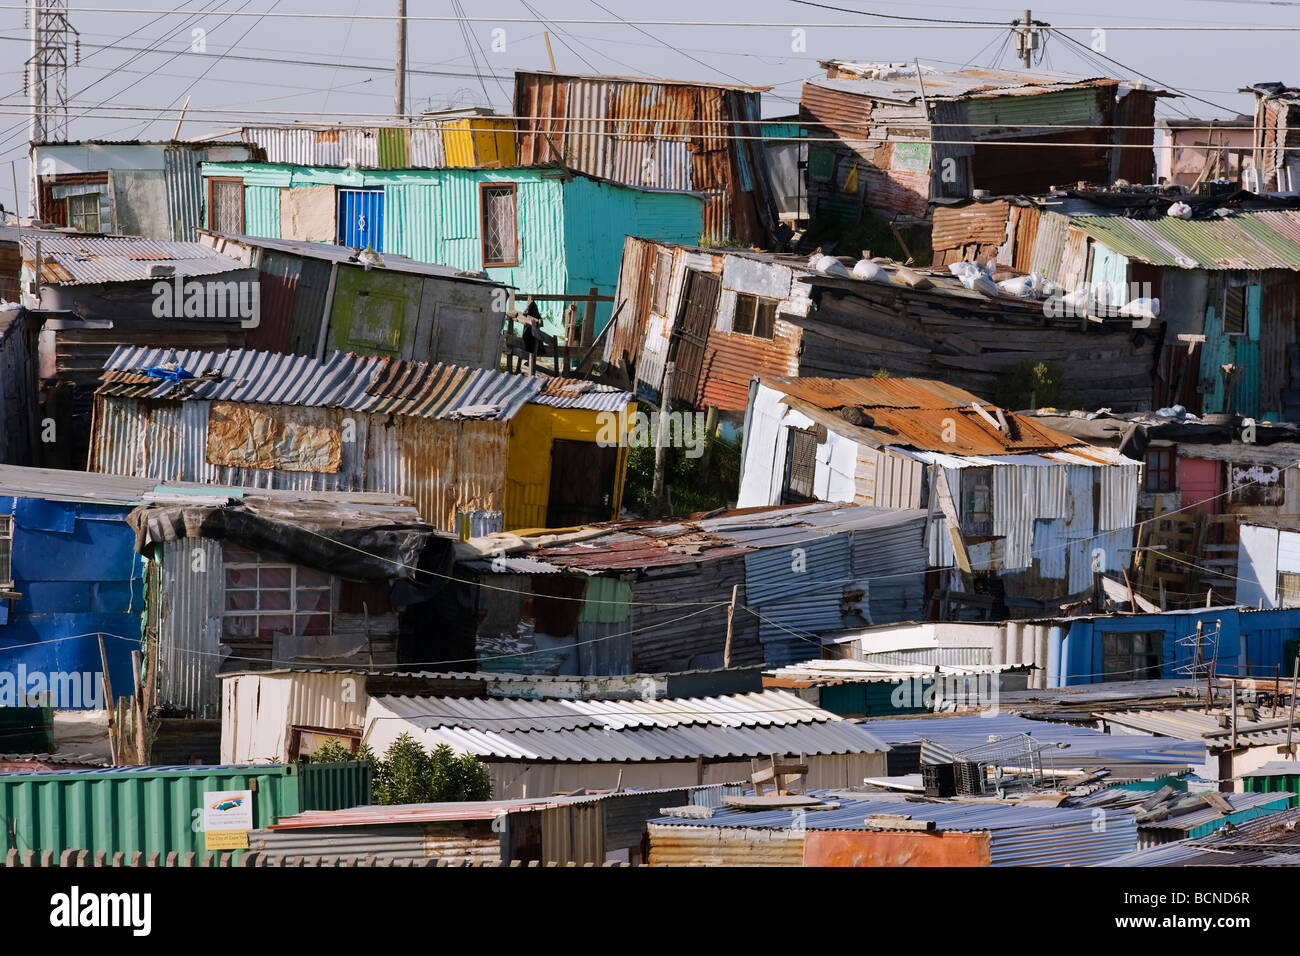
column 699, row 306
column 582, row 483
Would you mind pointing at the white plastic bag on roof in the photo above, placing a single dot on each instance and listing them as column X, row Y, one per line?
column 1141, row 309
column 830, row 266
column 1179, row 210
column 871, row 271
column 1022, row 286
column 980, row 281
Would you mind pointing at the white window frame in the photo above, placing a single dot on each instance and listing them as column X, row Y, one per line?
column 259, row 565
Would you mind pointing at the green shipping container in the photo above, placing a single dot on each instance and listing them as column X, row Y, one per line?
column 334, row 786
column 129, row 809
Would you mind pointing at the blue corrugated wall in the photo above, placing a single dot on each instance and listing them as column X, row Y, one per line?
column 77, row 570
column 1265, row 634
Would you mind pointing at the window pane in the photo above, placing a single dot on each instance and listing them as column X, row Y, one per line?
column 744, row 319
column 313, row 600
column 241, row 577
column 275, row 601
column 275, row 577
column 311, row 578
column 498, row 224
column 239, row 625
column 765, row 321
column 241, row 600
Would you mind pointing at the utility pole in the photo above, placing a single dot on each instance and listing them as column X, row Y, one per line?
column 46, row 77
column 1026, row 38
column 399, row 68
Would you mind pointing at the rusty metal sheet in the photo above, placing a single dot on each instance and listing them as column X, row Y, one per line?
column 267, row 436
column 732, row 360
column 833, row 393
column 984, row 223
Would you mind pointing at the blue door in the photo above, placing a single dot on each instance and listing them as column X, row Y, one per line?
column 361, row 218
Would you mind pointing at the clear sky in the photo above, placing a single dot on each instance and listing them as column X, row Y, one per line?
column 285, row 68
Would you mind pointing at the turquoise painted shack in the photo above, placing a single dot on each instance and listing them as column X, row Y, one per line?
column 542, row 229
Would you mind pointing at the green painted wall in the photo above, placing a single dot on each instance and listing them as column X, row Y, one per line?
column 570, row 232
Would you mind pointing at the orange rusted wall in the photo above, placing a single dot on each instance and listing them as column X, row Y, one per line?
column 890, row 848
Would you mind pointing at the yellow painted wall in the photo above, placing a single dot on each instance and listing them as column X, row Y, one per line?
column 528, row 458
column 479, row 141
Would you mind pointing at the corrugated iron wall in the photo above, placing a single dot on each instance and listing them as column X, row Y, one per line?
column 184, row 190
column 189, row 632
column 662, row 136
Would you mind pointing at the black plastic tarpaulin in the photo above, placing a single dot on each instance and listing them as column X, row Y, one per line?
column 356, row 543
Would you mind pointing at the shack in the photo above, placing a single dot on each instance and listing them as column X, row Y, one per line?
column 130, row 188
column 644, row 597
column 467, row 445
column 258, row 582
column 92, row 295
column 858, row 829
column 549, row 231
column 970, row 125
column 1019, row 510
column 726, row 315
column 317, row 298
column 660, row 134
column 535, row 748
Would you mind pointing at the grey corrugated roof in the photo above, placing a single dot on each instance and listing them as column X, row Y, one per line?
column 344, row 380
column 1240, row 802
column 57, row 484
column 902, row 85
column 853, row 811
column 89, row 260
column 739, row 725
column 1276, row 768
column 1085, row 746
column 391, row 262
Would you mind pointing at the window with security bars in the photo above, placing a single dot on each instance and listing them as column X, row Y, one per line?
column 1288, row 588
column 83, row 212
column 800, row 466
column 1132, row 656
column 226, row 205
column 755, row 315
column 264, row 598
column 6, row 552
column 499, row 231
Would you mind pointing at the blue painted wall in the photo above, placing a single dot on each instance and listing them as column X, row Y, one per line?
column 76, row 567
column 1265, row 633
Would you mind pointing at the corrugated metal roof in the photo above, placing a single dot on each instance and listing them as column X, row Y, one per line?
column 853, row 811
column 1084, row 746
column 738, row 725
column 86, row 260
column 56, row 484
column 1248, row 240
column 1193, row 724
column 344, row 380
column 577, row 393
column 899, row 84
column 862, row 672
column 1240, row 802
column 918, row 413
column 327, row 252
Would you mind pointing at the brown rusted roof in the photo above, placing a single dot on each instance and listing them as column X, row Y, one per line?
column 918, row 413
column 874, row 392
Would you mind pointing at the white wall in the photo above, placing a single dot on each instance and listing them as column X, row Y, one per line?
column 762, row 470
column 1257, row 566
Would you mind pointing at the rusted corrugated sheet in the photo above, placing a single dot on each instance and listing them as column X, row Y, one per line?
column 984, row 223
column 1024, row 232
column 623, row 344
column 1049, row 245
column 651, row 134
column 278, row 285
column 832, row 393
column 580, row 393
column 846, row 115
column 732, row 360
column 438, row 391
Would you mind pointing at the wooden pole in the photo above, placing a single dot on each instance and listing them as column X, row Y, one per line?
column 399, row 65
column 141, row 738
column 665, row 405
column 549, row 55
column 731, row 613
column 1233, row 691
column 108, row 700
